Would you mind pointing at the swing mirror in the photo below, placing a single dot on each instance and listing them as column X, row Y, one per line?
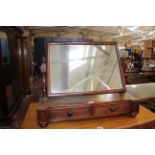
column 83, row 68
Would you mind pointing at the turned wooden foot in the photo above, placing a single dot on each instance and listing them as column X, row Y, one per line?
column 43, row 124
column 42, row 116
column 133, row 114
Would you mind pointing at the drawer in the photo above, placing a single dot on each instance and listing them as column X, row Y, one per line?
column 78, row 112
column 59, row 114
column 111, row 109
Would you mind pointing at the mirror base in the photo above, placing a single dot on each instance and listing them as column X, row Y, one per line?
column 86, row 111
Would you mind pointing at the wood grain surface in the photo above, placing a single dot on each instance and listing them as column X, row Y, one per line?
column 145, row 119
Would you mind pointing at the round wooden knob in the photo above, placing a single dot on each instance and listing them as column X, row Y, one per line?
column 112, row 109
column 70, row 114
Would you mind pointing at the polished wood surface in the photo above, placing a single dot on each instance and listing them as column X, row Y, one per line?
column 145, row 119
column 143, row 91
column 99, row 98
column 85, row 111
column 14, row 73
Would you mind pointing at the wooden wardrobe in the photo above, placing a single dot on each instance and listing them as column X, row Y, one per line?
column 15, row 70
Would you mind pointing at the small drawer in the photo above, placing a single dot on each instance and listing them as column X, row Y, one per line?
column 111, row 109
column 60, row 114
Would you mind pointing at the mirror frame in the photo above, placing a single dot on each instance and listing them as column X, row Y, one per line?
column 48, row 81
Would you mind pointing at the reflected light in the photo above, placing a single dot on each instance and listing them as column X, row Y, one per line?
column 133, row 28
column 78, row 53
column 133, row 86
column 103, row 47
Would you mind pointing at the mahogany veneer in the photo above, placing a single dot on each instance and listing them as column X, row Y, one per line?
column 144, row 119
column 86, row 107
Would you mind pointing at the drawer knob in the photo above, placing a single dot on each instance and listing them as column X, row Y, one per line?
column 112, row 109
column 70, row 114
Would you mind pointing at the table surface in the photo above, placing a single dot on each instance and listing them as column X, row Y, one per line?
column 144, row 91
column 145, row 116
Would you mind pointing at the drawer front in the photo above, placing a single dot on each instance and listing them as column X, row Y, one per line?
column 57, row 114
column 111, row 109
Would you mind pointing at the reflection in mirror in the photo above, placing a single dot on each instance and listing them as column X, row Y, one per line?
column 4, row 47
column 5, row 53
column 83, row 68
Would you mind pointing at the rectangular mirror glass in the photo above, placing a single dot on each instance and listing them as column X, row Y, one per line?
column 83, row 68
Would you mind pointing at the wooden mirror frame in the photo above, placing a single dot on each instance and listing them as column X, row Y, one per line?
column 48, row 81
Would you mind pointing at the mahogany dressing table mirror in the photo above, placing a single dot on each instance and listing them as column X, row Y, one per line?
column 84, row 80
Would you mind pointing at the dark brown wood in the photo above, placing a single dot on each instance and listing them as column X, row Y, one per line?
column 26, row 63
column 3, row 101
column 105, row 105
column 11, row 94
column 144, row 119
column 88, row 105
column 42, row 117
column 48, row 80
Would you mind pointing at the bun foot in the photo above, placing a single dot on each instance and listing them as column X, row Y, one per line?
column 43, row 125
column 133, row 114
